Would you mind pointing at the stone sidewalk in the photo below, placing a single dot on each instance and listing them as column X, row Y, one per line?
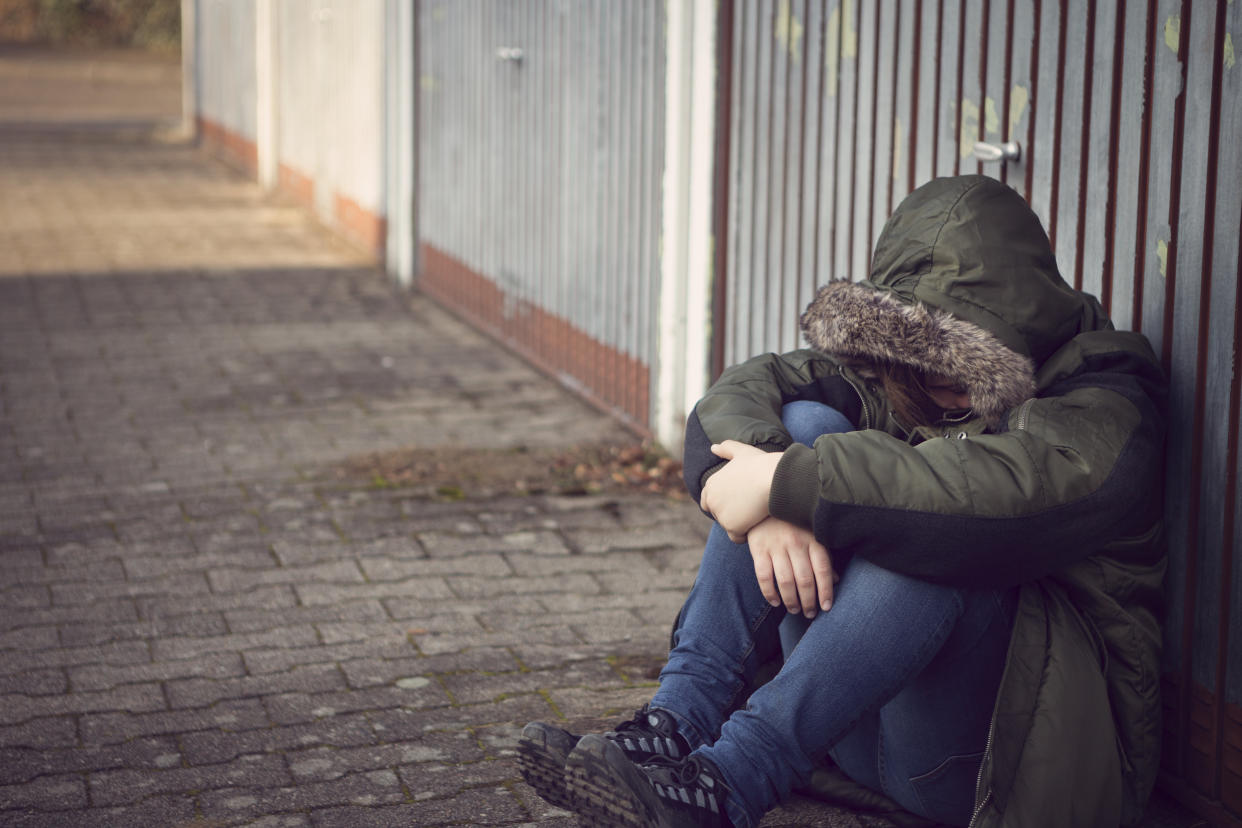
column 202, row 623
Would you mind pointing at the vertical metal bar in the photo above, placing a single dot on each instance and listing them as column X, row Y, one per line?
column 1097, row 182
column 778, row 168
column 948, row 116
column 925, row 129
column 1070, row 156
column 972, row 106
column 905, row 109
column 1130, row 126
column 847, row 159
column 995, row 77
column 1191, row 329
column 1044, row 149
column 650, row 216
column 867, row 142
column 783, row 335
column 746, row 204
column 829, row 147
column 723, row 207
column 1225, row 323
column 1180, row 511
column 763, row 158
column 814, row 102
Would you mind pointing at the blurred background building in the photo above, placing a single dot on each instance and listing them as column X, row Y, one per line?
column 635, row 194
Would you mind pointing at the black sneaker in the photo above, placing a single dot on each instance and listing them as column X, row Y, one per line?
column 607, row 789
column 543, row 749
column 542, row 752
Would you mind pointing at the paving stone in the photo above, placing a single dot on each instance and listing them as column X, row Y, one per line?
column 293, row 708
column 40, row 733
column 262, row 598
column 419, row 588
column 214, row 666
column 200, row 625
column 22, row 764
column 46, row 793
column 367, row 790
column 173, row 648
column 227, row 716
column 30, row 638
column 346, row 656
column 488, row 806
column 473, row 688
column 123, row 652
column 135, row 698
column 387, row 569
column 35, row 682
column 128, row 786
column 197, row 692
column 212, row 746
column 156, row 810
column 89, row 593
column 250, row 620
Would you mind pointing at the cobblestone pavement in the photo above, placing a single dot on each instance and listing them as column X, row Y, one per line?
column 202, row 625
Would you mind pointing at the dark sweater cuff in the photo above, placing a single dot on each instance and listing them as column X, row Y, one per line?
column 795, row 487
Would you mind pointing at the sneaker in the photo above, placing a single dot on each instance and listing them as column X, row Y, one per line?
column 542, row 752
column 607, row 789
column 543, row 749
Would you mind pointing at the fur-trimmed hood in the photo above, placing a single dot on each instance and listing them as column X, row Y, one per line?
column 964, row 284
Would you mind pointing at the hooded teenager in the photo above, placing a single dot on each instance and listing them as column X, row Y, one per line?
column 957, row 491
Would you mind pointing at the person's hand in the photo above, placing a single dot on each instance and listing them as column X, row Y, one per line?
column 792, row 567
column 737, row 496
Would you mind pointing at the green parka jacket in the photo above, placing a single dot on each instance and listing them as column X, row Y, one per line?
column 1052, row 482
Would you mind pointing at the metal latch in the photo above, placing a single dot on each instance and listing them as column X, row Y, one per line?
column 511, row 53
column 1008, row 151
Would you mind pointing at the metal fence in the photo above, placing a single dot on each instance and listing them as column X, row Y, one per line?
column 1129, row 120
column 540, row 162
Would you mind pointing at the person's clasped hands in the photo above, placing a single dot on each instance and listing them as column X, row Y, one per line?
column 792, row 567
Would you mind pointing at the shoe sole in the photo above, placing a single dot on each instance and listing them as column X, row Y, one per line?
column 543, row 766
column 603, row 786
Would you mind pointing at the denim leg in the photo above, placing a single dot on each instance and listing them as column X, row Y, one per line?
column 931, row 736
column 715, row 654
column 883, row 630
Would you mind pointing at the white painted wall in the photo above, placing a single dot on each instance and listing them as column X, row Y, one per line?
column 225, row 39
column 305, row 81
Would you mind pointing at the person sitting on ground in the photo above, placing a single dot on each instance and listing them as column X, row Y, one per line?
column 957, row 491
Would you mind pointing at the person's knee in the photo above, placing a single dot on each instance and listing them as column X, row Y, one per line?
column 805, row 420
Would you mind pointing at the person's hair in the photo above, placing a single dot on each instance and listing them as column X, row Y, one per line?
column 905, row 389
column 907, row 394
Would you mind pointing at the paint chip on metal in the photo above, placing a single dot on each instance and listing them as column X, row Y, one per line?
column 969, row 127
column 991, row 121
column 789, row 31
column 1229, row 59
column 1173, row 32
column 1019, row 96
column 1162, row 256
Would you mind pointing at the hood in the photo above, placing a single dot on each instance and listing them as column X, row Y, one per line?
column 963, row 283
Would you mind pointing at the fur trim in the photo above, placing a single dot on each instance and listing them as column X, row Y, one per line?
column 852, row 320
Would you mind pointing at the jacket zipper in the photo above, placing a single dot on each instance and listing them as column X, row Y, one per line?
column 1022, row 412
column 987, row 796
column 862, row 398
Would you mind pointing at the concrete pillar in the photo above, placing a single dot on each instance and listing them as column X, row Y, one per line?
column 682, row 372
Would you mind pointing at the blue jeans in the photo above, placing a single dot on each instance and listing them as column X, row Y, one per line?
column 896, row 682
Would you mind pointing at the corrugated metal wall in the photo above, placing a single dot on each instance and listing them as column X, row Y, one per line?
column 540, row 161
column 836, row 110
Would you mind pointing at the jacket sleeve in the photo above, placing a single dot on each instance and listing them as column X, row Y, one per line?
column 745, row 405
column 1077, row 467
